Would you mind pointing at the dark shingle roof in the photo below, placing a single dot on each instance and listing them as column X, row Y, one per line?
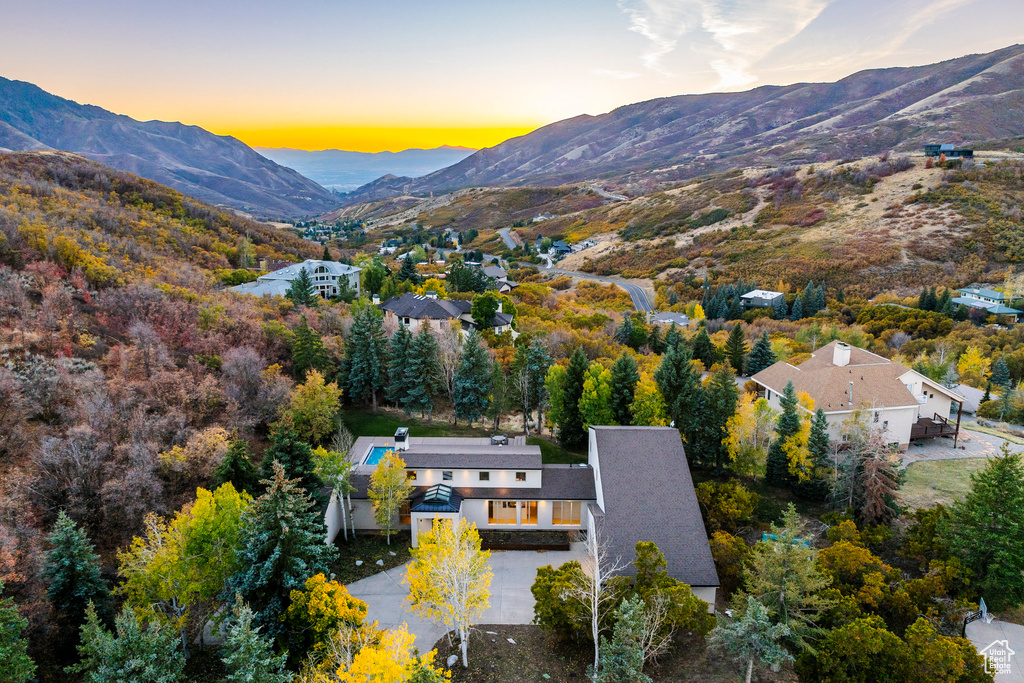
column 649, row 496
column 411, row 305
column 558, row 482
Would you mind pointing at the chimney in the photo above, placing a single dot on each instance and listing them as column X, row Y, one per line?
column 402, row 439
column 851, row 393
column 376, row 299
column 430, row 294
column 841, row 354
column 500, row 304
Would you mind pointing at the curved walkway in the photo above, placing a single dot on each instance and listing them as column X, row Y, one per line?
column 974, row 445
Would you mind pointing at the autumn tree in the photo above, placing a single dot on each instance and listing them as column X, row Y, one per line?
column 313, row 408
column 973, row 367
column 390, row 658
column 985, row 530
column 752, row 639
column 624, row 378
column 449, row 577
column 248, row 655
column 181, row 566
column 319, row 610
column 595, row 401
column 648, row 407
column 73, row 574
column 749, row 434
column 133, row 652
column 389, row 490
column 282, row 545
column 472, row 381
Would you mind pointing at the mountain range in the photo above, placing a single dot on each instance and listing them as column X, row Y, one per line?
column 344, row 171
column 216, row 169
column 969, row 99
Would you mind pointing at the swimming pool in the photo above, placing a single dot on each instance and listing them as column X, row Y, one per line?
column 376, row 453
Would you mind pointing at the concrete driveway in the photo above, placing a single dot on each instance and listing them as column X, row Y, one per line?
column 511, row 600
column 985, row 635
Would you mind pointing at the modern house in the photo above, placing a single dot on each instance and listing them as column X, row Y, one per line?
column 416, row 310
column 842, row 380
column 759, row 298
column 501, row 278
column 987, row 300
column 559, row 249
column 327, row 277
column 671, row 318
column 950, row 151
column 635, row 486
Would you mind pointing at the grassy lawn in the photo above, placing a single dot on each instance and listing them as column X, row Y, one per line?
column 540, row 657
column 938, row 481
column 386, row 421
column 369, row 548
column 993, row 432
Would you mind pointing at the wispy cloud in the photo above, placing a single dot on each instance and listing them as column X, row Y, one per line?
column 733, row 35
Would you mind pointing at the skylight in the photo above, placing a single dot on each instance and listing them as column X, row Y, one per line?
column 438, row 493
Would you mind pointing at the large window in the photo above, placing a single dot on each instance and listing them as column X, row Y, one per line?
column 405, row 513
column 566, row 512
column 501, row 512
column 528, row 512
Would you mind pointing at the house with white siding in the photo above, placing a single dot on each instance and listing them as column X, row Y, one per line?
column 635, row 485
column 328, row 278
column 842, row 379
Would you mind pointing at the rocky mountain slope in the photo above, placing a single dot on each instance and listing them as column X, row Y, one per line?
column 973, row 98
column 212, row 168
column 344, row 171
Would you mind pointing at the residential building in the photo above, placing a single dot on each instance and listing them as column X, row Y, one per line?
column 501, row 279
column 760, row 298
column 842, row 380
column 559, row 249
column 950, row 151
column 635, row 486
column 327, row 277
column 671, row 318
column 989, row 301
column 416, row 310
column 541, row 217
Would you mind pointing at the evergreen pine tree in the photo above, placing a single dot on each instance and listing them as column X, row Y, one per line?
column 301, row 291
column 819, row 302
column 625, row 377
column 735, row 310
column 570, row 431
column 933, row 300
column 624, row 332
column 499, row 397
column 817, row 487
column 248, row 656
column 736, row 349
column 622, row 658
column 654, row 341
column 398, row 360
column 988, row 392
column 408, row 272
column 1001, row 374
column 283, row 545
column 922, row 299
column 422, row 373
column 307, row 351
column 719, row 404
column 73, row 574
column 788, row 424
column 326, row 255
column 762, row 355
column 237, row 468
column 779, row 308
column 945, row 302
column 673, row 298
column 366, row 356
column 535, row 360
column 703, row 348
column 679, row 385
column 134, row 652
column 808, row 298
column 798, row 309
column 18, row 667
column 472, row 383
column 840, row 297
column 294, row 456
column 672, row 338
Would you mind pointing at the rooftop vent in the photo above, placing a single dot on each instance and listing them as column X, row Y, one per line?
column 376, row 300
column 499, row 440
column 841, row 354
column 431, row 294
column 402, row 439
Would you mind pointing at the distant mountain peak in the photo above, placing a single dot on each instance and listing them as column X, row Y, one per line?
column 218, row 169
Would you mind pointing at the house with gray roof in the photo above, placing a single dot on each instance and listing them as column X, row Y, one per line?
column 416, row 310
column 989, row 301
column 635, row 485
column 327, row 277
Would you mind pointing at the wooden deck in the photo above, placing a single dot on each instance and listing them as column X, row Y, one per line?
column 929, row 427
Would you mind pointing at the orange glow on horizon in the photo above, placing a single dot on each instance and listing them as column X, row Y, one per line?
column 374, row 139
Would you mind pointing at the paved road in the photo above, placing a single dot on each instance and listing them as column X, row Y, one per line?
column 509, row 241
column 995, row 638
column 637, row 294
column 609, row 195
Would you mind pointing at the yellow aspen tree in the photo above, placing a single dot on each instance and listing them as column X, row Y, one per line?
column 389, row 489
column 449, row 577
column 798, row 455
column 392, row 660
column 648, row 406
column 314, row 406
column 973, row 367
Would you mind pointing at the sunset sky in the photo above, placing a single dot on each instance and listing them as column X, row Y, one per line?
column 395, row 74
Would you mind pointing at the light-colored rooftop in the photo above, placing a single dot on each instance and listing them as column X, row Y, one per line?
column 761, row 294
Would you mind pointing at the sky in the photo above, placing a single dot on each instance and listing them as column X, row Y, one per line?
column 398, row 74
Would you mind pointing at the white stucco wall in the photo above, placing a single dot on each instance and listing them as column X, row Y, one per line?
column 707, row 594
column 593, row 459
column 476, row 511
column 470, row 478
